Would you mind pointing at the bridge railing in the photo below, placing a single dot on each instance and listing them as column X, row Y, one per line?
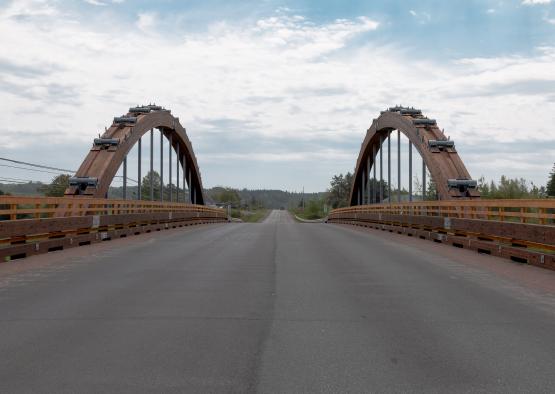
column 522, row 230
column 32, row 225
column 14, row 208
column 522, row 211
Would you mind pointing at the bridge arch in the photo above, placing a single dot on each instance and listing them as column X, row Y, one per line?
column 438, row 154
column 109, row 152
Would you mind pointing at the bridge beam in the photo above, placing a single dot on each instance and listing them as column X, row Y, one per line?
column 381, row 168
column 170, row 168
column 410, row 171
column 374, row 182
column 423, row 181
column 151, row 164
column 161, row 165
column 125, row 178
column 398, row 166
column 389, row 166
column 177, row 157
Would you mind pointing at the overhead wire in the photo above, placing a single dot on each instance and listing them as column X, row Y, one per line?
column 45, row 167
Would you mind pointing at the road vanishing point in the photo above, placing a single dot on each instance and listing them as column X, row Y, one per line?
column 275, row 307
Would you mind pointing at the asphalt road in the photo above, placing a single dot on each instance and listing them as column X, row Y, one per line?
column 275, row 307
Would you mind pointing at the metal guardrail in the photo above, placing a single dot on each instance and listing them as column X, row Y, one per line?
column 522, row 230
column 33, row 225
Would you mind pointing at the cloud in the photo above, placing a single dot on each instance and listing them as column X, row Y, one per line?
column 421, row 17
column 25, row 70
column 146, row 20
column 279, row 89
column 95, row 2
column 25, row 9
column 535, row 2
column 102, row 3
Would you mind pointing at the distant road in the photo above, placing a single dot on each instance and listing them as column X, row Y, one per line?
column 275, row 307
column 279, row 216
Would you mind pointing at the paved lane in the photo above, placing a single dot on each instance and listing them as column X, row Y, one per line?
column 274, row 307
column 279, row 216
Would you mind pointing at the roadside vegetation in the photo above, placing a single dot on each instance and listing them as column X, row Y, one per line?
column 250, row 210
column 311, row 210
column 315, row 204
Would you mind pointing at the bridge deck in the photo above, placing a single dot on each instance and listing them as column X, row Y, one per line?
column 275, row 307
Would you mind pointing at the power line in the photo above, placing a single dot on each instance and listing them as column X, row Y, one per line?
column 29, row 169
column 36, row 165
column 17, row 179
column 47, row 167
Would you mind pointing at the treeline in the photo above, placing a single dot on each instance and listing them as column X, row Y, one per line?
column 336, row 196
column 517, row 188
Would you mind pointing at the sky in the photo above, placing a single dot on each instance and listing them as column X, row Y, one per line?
column 279, row 94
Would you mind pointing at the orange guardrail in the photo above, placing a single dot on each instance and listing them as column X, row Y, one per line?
column 19, row 207
column 539, row 211
column 33, row 225
column 521, row 230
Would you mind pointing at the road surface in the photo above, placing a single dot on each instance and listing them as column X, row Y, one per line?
column 275, row 307
column 279, row 216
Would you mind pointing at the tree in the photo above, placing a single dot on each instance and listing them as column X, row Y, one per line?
column 340, row 189
column 314, row 209
column 145, row 186
column 431, row 190
column 510, row 188
column 227, row 195
column 57, row 187
column 550, row 188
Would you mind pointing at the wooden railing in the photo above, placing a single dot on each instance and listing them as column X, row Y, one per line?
column 521, row 211
column 14, row 208
column 33, row 225
column 522, row 230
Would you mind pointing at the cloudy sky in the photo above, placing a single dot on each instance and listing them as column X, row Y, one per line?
column 277, row 93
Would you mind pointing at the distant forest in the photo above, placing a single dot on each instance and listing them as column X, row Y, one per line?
column 336, row 196
column 273, row 199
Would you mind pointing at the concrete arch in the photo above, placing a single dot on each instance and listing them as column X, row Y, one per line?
column 440, row 156
column 108, row 152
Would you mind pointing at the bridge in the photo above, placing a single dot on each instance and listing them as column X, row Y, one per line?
column 402, row 291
